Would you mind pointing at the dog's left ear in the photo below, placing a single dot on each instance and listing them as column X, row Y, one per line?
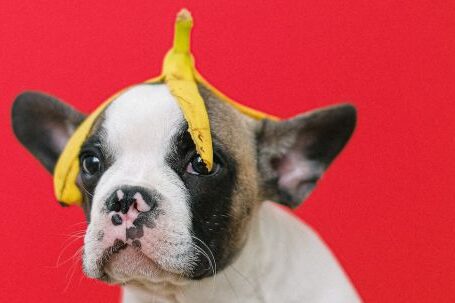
column 293, row 154
column 43, row 124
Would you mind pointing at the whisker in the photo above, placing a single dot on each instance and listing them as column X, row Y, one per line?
column 78, row 223
column 78, row 252
column 58, row 264
column 75, row 234
column 214, row 269
column 86, row 190
column 202, row 252
column 208, row 248
column 72, row 269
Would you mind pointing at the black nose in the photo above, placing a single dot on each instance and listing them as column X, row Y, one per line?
column 125, row 196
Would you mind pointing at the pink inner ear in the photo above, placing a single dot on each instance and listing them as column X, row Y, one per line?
column 297, row 174
column 59, row 138
column 59, row 134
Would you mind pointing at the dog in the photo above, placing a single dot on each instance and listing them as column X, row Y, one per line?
column 167, row 229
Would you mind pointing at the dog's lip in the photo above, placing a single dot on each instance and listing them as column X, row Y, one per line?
column 159, row 275
column 205, row 272
column 120, row 245
column 106, row 257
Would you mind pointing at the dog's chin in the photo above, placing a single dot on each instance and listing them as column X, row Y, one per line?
column 129, row 265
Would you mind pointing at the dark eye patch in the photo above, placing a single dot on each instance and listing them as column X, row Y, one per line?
column 94, row 145
column 210, row 200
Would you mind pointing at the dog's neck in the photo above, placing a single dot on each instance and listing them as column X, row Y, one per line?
column 283, row 261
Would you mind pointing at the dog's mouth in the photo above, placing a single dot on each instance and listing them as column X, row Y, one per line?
column 106, row 258
column 126, row 262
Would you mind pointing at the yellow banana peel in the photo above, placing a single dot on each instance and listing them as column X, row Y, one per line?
column 182, row 79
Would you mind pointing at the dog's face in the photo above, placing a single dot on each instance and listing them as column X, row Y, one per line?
column 154, row 211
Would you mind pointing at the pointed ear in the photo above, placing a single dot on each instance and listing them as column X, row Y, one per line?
column 293, row 154
column 43, row 125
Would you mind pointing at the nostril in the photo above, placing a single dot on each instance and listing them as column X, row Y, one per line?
column 117, row 206
column 116, row 219
column 140, row 204
column 134, row 198
column 136, row 206
column 114, row 203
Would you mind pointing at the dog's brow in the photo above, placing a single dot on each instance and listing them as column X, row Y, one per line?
column 184, row 143
column 93, row 141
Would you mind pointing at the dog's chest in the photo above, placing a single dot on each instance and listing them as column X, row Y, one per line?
column 283, row 261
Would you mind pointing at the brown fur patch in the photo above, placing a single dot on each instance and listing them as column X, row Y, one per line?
column 237, row 132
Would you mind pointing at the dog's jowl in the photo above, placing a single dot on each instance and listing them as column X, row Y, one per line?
column 170, row 230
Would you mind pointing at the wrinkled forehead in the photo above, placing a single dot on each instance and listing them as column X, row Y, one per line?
column 144, row 117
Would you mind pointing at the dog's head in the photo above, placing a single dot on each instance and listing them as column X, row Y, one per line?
column 154, row 211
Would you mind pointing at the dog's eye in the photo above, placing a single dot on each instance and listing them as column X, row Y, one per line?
column 91, row 164
column 197, row 167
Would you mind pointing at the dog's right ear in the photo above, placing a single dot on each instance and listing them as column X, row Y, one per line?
column 43, row 125
column 293, row 154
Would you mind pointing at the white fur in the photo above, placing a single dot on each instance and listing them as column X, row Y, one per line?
column 283, row 261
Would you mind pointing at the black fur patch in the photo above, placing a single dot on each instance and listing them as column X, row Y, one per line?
column 210, row 201
column 137, row 244
column 146, row 219
column 42, row 123
column 134, row 232
column 100, row 235
column 87, row 184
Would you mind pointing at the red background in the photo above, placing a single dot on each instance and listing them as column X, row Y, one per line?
column 386, row 207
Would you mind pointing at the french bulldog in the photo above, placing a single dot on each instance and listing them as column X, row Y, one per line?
column 168, row 230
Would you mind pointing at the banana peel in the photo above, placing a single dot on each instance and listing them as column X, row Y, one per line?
column 182, row 79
